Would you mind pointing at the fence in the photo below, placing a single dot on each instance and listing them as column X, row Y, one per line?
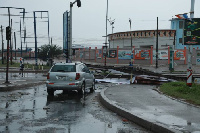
column 140, row 56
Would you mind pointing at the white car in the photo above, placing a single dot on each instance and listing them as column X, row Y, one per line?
column 68, row 77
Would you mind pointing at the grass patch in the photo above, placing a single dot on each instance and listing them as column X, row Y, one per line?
column 182, row 91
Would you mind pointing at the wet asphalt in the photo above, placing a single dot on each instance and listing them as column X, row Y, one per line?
column 64, row 113
column 30, row 109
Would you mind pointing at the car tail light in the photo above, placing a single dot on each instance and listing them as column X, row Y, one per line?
column 77, row 76
column 48, row 77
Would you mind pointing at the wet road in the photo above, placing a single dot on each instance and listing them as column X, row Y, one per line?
column 32, row 110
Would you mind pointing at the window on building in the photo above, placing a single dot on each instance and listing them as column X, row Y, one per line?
column 180, row 24
column 180, row 40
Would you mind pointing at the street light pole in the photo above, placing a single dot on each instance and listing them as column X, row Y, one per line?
column 70, row 31
column 70, row 27
column 2, row 45
column 189, row 70
column 131, row 63
column 157, row 45
column 131, row 42
column 106, row 42
column 112, row 23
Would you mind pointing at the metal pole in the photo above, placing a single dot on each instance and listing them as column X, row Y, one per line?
column 112, row 34
column 189, row 70
column 70, row 33
column 131, row 63
column 21, row 36
column 131, row 42
column 106, row 32
column 15, row 46
column 7, row 66
column 35, row 38
column 157, row 45
column 11, row 45
column 2, row 45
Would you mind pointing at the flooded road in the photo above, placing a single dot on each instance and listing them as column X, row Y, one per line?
column 32, row 110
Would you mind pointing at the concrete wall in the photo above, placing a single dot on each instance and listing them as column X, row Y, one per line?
column 91, row 56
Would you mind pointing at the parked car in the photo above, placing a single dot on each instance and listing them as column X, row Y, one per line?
column 68, row 77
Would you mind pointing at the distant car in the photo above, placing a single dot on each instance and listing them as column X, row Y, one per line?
column 68, row 77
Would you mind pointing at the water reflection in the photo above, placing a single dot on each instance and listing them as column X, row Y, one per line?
column 64, row 97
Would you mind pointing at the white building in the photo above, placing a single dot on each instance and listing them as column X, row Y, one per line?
column 142, row 39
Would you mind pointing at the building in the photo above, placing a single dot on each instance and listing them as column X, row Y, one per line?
column 142, row 39
column 179, row 25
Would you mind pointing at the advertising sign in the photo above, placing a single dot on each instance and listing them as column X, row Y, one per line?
column 179, row 55
column 112, row 53
column 99, row 54
column 124, row 54
column 142, row 54
column 192, row 32
column 162, row 54
column 197, row 80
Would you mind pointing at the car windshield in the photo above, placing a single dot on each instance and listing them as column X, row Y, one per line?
column 63, row 68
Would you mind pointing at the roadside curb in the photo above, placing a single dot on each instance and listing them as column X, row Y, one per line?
column 149, row 125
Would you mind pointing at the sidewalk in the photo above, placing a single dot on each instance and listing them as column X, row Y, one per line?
column 151, row 110
column 19, row 82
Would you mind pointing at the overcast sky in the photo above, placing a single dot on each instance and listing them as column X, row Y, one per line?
column 89, row 21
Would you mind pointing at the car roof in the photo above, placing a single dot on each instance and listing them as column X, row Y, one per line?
column 62, row 63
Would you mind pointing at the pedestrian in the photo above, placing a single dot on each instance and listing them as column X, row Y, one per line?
column 21, row 69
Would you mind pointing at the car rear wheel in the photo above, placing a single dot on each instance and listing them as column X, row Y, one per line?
column 93, row 87
column 50, row 91
column 82, row 90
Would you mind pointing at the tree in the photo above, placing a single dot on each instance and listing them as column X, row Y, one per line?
column 49, row 51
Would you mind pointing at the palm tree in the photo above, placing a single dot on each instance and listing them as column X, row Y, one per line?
column 49, row 51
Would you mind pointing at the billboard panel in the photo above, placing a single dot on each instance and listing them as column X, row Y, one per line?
column 142, row 54
column 192, row 32
column 124, row 54
column 112, row 53
column 162, row 54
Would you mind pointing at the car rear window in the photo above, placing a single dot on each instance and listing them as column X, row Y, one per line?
column 63, row 68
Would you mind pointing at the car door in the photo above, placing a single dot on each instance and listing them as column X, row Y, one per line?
column 88, row 76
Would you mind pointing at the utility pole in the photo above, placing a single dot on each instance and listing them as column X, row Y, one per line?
column 15, row 46
column 112, row 23
column 70, row 27
column 189, row 70
column 35, row 38
column 21, row 36
column 11, row 45
column 131, row 63
column 70, row 34
column 157, row 45
column 35, row 33
column 106, row 42
column 8, row 32
column 2, row 45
